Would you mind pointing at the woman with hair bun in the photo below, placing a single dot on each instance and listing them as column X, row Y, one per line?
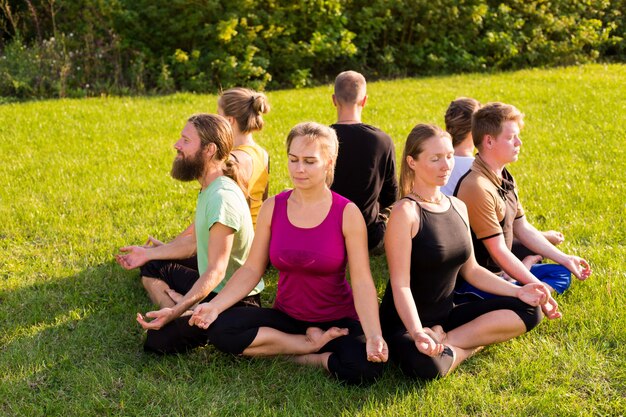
column 244, row 110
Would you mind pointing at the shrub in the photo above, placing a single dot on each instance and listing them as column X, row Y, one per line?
column 86, row 47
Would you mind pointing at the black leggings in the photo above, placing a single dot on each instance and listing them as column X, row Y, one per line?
column 179, row 274
column 235, row 329
column 415, row 364
column 178, row 336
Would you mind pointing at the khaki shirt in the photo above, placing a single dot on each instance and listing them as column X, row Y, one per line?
column 492, row 205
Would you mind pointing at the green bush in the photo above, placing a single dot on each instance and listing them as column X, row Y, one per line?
column 38, row 71
column 93, row 47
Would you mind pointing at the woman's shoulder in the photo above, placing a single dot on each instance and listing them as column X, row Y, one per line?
column 280, row 199
column 404, row 204
column 283, row 195
column 266, row 212
column 351, row 210
column 339, row 199
column 405, row 210
column 253, row 151
column 457, row 202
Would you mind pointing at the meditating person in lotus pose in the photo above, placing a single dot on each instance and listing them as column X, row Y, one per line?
column 496, row 215
column 458, row 119
column 244, row 109
column 221, row 238
column 428, row 244
column 310, row 234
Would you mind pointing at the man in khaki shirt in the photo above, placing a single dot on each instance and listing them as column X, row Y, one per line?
column 495, row 212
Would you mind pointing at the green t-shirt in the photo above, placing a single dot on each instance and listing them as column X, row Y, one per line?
column 223, row 202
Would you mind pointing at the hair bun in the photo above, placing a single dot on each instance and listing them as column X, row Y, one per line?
column 260, row 104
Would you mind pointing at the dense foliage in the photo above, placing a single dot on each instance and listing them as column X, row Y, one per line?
column 91, row 47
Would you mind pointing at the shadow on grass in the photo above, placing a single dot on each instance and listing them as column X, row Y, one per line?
column 71, row 345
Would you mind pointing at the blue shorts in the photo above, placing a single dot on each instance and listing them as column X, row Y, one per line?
column 556, row 276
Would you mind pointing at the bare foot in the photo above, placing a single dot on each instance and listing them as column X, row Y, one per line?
column 436, row 333
column 176, row 297
column 554, row 237
column 531, row 260
column 317, row 337
column 459, row 355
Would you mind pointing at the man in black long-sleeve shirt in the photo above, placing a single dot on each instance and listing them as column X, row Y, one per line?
column 366, row 165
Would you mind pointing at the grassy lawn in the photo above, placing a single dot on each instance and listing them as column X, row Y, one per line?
column 80, row 178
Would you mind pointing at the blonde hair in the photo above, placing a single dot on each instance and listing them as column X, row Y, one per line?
column 489, row 119
column 246, row 106
column 458, row 118
column 325, row 137
column 213, row 128
column 413, row 147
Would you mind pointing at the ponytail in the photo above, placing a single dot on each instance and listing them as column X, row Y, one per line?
column 230, row 169
column 246, row 106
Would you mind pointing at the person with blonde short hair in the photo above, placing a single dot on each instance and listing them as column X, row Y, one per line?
column 458, row 119
column 310, row 234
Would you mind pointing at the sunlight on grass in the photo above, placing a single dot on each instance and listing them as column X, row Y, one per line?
column 82, row 178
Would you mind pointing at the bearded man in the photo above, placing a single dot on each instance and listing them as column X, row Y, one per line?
column 174, row 279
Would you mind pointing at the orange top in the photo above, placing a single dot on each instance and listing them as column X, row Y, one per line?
column 258, row 183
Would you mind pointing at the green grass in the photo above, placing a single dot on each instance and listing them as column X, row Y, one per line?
column 81, row 178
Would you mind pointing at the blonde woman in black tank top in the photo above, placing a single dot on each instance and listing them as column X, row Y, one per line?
column 427, row 244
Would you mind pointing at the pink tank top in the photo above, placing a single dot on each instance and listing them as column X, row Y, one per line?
column 311, row 262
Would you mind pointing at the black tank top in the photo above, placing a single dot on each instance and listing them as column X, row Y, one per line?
column 438, row 250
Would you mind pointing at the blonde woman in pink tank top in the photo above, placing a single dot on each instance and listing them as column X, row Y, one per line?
column 310, row 234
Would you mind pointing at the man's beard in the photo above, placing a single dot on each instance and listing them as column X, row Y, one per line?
column 188, row 169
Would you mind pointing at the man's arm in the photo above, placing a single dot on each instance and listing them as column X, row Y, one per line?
column 245, row 278
column 481, row 278
column 135, row 256
column 220, row 245
column 190, row 230
column 510, row 264
column 530, row 237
